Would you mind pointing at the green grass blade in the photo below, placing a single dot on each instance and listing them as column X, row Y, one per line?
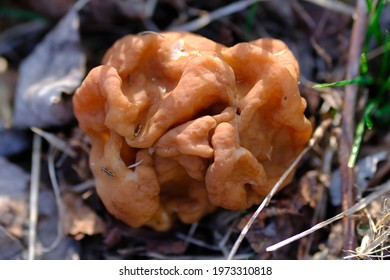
column 384, row 67
column 363, row 64
column 19, row 14
column 369, row 5
column 356, row 143
column 374, row 28
column 375, row 106
column 386, row 84
column 383, row 113
column 369, row 109
column 250, row 18
column 361, row 81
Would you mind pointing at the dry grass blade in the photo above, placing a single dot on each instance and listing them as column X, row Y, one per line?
column 55, row 142
column 158, row 256
column 384, row 188
column 5, row 98
column 57, row 195
column 197, row 242
column 333, row 5
column 205, row 19
column 34, row 193
column 238, row 6
column 376, row 241
column 318, row 133
column 374, row 245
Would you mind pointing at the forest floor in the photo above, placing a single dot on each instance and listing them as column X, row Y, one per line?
column 49, row 208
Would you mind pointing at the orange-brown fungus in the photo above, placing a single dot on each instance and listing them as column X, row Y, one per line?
column 180, row 125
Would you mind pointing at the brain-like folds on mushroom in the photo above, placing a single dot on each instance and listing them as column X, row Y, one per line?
column 180, row 125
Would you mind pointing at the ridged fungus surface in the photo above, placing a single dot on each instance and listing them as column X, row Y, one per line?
column 180, row 125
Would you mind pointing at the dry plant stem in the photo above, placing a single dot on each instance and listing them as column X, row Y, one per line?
column 191, row 233
column 56, row 142
column 34, row 192
column 238, row 6
column 158, row 256
column 320, row 209
column 307, row 18
column 316, row 136
column 383, row 189
column 197, row 242
column 57, row 195
column 334, row 5
column 348, row 122
column 205, row 19
column 222, row 243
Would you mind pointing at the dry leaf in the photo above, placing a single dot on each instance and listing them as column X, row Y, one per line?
column 79, row 219
column 365, row 169
column 11, row 248
column 13, row 197
column 56, row 66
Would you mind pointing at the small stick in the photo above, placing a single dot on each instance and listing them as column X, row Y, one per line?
column 207, row 18
column 336, row 6
column 34, row 193
column 56, row 142
column 57, row 195
column 347, row 122
column 241, row 5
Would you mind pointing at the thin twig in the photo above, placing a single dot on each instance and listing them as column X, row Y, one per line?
column 158, row 256
column 384, row 188
column 224, row 240
column 57, row 195
column 56, row 142
column 83, row 186
column 323, row 184
column 207, row 18
column 333, row 5
column 318, row 133
column 34, row 193
column 191, row 233
column 238, row 6
column 197, row 242
column 347, row 124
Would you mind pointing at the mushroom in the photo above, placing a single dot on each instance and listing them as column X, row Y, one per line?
column 180, row 125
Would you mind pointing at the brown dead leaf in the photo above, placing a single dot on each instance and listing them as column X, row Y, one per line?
column 79, row 220
column 288, row 214
column 11, row 248
column 333, row 247
column 56, row 66
column 265, row 232
column 13, row 197
column 308, row 188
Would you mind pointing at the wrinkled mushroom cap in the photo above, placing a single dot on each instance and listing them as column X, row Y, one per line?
column 180, row 125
